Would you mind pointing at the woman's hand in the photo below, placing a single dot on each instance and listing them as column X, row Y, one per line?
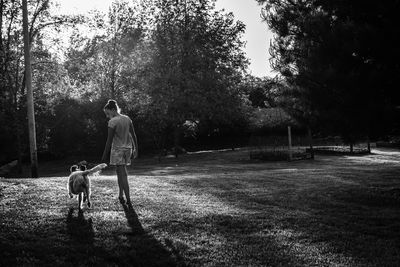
column 135, row 153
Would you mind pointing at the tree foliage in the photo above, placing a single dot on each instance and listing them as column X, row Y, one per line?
column 12, row 78
column 175, row 67
column 197, row 63
column 339, row 62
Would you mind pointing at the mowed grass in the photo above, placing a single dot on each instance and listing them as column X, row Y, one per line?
column 211, row 209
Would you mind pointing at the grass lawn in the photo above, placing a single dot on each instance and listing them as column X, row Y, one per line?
column 211, row 209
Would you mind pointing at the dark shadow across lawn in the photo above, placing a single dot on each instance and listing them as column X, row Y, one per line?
column 342, row 211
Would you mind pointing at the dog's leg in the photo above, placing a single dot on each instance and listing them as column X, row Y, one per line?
column 87, row 191
column 80, row 201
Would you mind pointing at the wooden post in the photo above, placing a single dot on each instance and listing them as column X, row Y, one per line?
column 29, row 93
column 290, row 143
column 310, row 142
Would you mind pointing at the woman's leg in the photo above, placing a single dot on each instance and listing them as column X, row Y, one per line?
column 123, row 180
column 125, row 184
column 120, row 183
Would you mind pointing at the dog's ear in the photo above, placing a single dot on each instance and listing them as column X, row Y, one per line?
column 73, row 168
column 82, row 165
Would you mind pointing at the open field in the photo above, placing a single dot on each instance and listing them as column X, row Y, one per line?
column 211, row 209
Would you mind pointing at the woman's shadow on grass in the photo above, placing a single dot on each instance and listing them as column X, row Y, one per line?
column 146, row 250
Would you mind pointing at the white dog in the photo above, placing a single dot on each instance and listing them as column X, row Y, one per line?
column 79, row 183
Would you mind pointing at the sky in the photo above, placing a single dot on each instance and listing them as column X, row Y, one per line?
column 257, row 35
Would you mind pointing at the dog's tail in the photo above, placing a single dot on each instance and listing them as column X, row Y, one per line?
column 97, row 168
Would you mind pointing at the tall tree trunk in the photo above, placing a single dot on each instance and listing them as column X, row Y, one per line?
column 1, row 25
column 31, row 112
column 17, row 120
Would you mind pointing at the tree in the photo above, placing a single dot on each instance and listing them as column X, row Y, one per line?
column 105, row 64
column 111, row 62
column 197, row 64
column 333, row 55
column 28, row 83
column 262, row 92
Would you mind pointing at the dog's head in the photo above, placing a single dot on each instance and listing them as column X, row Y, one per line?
column 81, row 166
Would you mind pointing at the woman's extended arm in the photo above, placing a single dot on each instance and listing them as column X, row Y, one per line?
column 134, row 139
column 107, row 149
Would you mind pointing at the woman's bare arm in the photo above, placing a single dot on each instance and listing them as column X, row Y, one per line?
column 134, row 138
column 107, row 149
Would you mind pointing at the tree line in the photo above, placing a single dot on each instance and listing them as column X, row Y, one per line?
column 178, row 69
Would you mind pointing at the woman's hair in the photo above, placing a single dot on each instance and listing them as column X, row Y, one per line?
column 112, row 105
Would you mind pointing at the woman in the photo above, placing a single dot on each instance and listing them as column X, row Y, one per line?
column 121, row 141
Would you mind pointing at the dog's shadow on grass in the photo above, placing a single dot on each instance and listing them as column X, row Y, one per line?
column 145, row 249
column 79, row 228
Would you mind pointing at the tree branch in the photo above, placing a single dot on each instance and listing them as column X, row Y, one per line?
column 37, row 12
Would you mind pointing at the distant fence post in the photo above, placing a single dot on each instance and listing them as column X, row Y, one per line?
column 290, row 143
column 310, row 143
